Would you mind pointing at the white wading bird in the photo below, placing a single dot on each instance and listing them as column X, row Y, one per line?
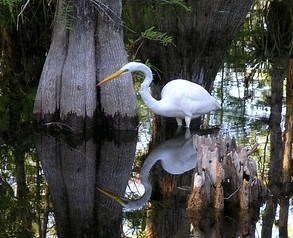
column 180, row 98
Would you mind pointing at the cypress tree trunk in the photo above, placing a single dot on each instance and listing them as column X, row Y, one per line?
column 85, row 46
column 118, row 99
column 201, row 35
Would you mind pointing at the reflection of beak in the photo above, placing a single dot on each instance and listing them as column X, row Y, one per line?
column 123, row 201
column 112, row 76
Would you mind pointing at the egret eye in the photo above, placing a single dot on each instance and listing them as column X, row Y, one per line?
column 125, row 71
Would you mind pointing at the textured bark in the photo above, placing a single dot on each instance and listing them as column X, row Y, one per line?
column 169, row 222
column 69, row 168
column 269, row 218
column 77, row 59
column 47, row 102
column 201, row 36
column 284, row 214
column 116, row 160
column 67, row 90
column 78, row 85
column 118, row 100
column 223, row 168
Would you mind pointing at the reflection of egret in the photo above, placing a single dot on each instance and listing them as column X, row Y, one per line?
column 181, row 99
column 177, row 156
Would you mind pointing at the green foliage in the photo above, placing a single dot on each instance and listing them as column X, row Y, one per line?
column 10, row 3
column 8, row 11
column 179, row 3
column 153, row 35
column 266, row 34
column 147, row 19
column 67, row 16
column 28, row 13
column 18, row 212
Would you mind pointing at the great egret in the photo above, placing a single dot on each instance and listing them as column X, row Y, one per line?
column 176, row 155
column 180, row 98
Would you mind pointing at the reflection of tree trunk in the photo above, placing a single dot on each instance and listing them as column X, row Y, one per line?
column 229, row 223
column 70, row 172
column 46, row 211
column 287, row 163
column 275, row 120
column 269, row 218
column 283, row 221
column 169, row 222
column 113, row 171
column 22, row 193
column 173, row 221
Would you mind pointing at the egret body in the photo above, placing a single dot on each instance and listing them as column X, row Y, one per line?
column 180, row 98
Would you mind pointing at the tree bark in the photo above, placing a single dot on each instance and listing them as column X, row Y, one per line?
column 201, row 36
column 78, row 90
column 113, row 170
column 283, row 217
column 118, row 99
column 85, row 47
column 47, row 102
column 268, row 218
column 69, row 168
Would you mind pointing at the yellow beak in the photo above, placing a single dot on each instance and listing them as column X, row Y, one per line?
column 123, row 201
column 112, row 76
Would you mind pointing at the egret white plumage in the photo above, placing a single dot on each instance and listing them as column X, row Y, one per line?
column 180, row 98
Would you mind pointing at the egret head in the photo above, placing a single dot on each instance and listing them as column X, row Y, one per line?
column 130, row 204
column 130, row 67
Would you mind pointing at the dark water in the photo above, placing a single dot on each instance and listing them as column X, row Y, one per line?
column 49, row 182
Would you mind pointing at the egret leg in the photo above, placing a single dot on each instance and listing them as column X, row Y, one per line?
column 179, row 121
column 187, row 121
column 187, row 134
